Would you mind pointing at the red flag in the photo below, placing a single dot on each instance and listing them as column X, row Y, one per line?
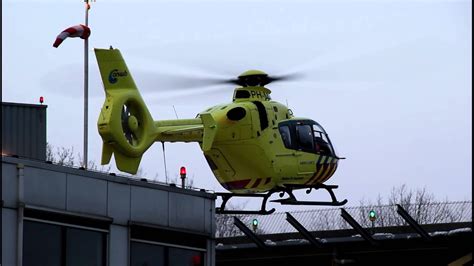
column 80, row 31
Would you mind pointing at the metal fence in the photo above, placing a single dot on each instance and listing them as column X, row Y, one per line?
column 330, row 219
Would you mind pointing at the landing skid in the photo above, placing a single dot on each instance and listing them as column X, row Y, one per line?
column 226, row 197
column 291, row 200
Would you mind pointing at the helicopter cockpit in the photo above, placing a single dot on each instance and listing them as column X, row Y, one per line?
column 307, row 136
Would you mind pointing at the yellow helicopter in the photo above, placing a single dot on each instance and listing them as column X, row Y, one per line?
column 254, row 146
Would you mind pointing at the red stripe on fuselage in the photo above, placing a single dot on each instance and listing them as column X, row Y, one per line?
column 240, row 184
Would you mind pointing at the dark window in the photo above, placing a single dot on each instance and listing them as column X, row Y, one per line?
column 185, row 257
column 47, row 244
column 286, row 136
column 305, row 137
column 242, row 94
column 155, row 254
column 155, row 246
column 84, row 247
column 146, row 254
column 42, row 244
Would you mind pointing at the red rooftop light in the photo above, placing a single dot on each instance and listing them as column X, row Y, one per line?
column 182, row 171
column 41, row 99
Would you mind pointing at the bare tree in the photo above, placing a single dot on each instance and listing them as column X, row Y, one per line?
column 419, row 203
column 225, row 226
column 65, row 157
column 49, row 152
column 188, row 182
column 62, row 156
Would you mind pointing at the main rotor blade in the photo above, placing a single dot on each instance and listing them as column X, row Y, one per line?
column 286, row 77
column 152, row 82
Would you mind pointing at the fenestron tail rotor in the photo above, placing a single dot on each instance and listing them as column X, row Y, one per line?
column 130, row 125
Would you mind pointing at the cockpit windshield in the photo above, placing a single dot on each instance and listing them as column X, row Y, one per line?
column 307, row 136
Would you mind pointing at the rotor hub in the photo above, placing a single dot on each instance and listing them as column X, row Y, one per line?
column 253, row 78
column 132, row 123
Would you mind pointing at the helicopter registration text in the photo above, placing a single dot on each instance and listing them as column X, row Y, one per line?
column 260, row 94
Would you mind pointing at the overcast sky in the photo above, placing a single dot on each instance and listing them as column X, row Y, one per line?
column 390, row 81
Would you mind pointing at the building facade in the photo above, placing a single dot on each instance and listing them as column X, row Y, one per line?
column 56, row 215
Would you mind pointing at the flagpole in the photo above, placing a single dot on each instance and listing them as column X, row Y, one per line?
column 86, row 85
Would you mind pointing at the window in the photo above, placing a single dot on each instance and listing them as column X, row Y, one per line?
column 147, row 254
column 185, row 257
column 242, row 94
column 155, row 246
column 157, row 254
column 321, row 141
column 42, row 244
column 58, row 245
column 286, row 136
column 84, row 247
column 305, row 137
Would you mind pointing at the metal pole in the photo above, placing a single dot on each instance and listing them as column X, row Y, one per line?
column 86, row 86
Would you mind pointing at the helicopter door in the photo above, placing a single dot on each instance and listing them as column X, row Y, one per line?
column 305, row 154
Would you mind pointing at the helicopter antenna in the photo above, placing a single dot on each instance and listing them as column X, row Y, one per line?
column 164, row 161
column 286, row 103
column 175, row 112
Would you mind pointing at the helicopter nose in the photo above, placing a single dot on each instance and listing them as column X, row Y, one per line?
column 325, row 167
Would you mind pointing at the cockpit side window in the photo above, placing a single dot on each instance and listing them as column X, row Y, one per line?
column 305, row 137
column 286, row 136
column 321, row 142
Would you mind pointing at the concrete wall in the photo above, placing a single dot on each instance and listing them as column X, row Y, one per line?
column 118, row 198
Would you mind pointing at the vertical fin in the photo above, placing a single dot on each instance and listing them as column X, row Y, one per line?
column 210, row 129
column 107, row 151
column 113, row 70
column 126, row 163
